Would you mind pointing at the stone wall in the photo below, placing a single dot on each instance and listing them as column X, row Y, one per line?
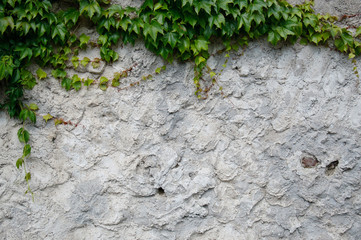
column 278, row 158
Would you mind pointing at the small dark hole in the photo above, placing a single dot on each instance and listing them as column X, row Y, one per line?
column 160, row 191
column 332, row 165
column 330, row 168
column 53, row 139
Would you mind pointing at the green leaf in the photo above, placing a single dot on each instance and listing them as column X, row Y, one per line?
column 91, row 7
column 184, row 45
column 66, row 83
column 19, row 162
column 71, row 14
column 84, row 39
column 171, row 38
column 217, row 20
column 316, row 38
column 58, row 73
column 347, row 38
column 244, row 20
column 76, row 84
column 184, row 2
column 27, row 176
column 58, row 121
column 212, row 74
column 88, row 82
column 284, row 32
column 59, row 30
column 24, row 114
column 199, row 45
column 158, row 70
column 23, row 135
column 273, row 37
column 26, row 150
column 152, row 29
column 33, row 107
column 85, row 61
column 47, row 117
column 115, row 9
column 6, row 22
column 103, row 83
column 358, row 32
column 75, row 61
column 41, row 74
column 32, row 116
column 203, row 4
column 340, row 45
column 199, row 60
column 103, row 39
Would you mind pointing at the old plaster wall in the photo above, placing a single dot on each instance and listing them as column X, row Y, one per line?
column 153, row 162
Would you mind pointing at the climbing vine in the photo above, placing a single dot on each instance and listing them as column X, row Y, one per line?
column 35, row 32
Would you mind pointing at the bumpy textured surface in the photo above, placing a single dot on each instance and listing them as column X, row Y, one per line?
column 278, row 158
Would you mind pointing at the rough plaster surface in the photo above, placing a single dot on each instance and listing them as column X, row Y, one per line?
column 153, row 162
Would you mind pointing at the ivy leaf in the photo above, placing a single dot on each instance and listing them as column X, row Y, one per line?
column 88, row 82
column 24, row 114
column 184, row 2
column 96, row 63
column 33, row 107
column 84, row 39
column 316, row 38
column 212, row 74
column 199, row 45
column 358, row 32
column 284, row 32
column 23, row 135
column 91, row 7
column 340, row 45
column 224, row 4
column 6, row 22
column 184, row 45
column 103, row 83
column 27, row 176
column 347, row 38
column 76, row 84
column 59, row 30
column 47, row 117
column 32, row 116
column 26, row 150
column 217, row 20
column 116, row 9
column 85, row 61
column 41, row 74
column 71, row 14
column 257, row 5
column 203, row 4
column 273, row 37
column 245, row 21
column 75, row 61
column 171, row 38
column 199, row 60
column 25, row 52
column 58, row 73
column 19, row 162
column 152, row 29
column 66, row 83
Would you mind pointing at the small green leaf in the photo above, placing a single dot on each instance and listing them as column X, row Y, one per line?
column 33, row 107
column 66, row 83
column 24, row 114
column 212, row 74
column 41, row 74
column 23, row 135
column 88, row 82
column 84, row 39
column 75, row 61
column 32, row 116
column 26, row 150
column 199, row 60
column 85, row 61
column 358, row 32
column 19, row 162
column 58, row 121
column 103, row 83
column 47, row 117
column 27, row 177
column 96, row 63
column 76, row 84
column 58, row 73
column 158, row 70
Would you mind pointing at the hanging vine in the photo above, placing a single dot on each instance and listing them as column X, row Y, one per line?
column 32, row 32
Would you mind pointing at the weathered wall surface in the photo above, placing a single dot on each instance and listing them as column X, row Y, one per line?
column 153, row 162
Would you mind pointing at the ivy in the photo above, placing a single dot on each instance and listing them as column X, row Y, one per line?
column 31, row 31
